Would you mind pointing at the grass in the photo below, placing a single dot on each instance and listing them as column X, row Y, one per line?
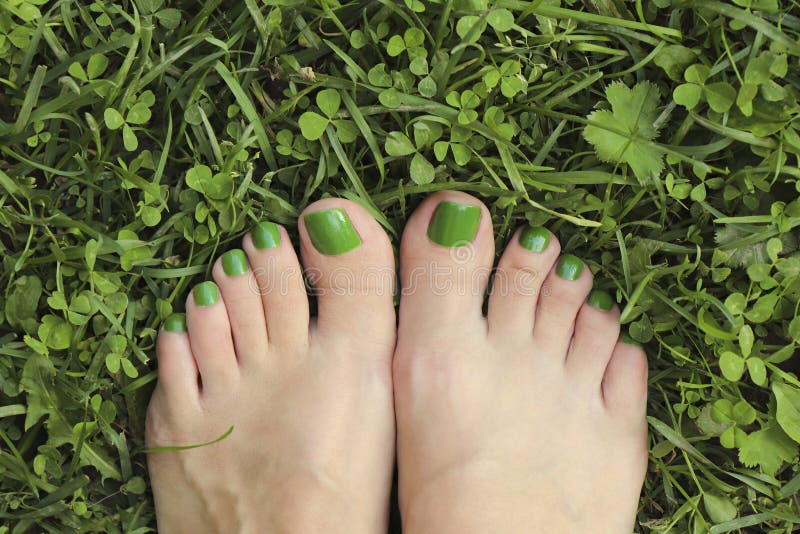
column 658, row 139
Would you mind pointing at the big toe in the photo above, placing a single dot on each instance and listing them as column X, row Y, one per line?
column 445, row 262
column 349, row 263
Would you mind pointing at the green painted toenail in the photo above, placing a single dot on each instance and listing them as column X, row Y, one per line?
column 175, row 323
column 205, row 293
column 600, row 300
column 331, row 231
column 266, row 235
column 569, row 267
column 534, row 238
column 454, row 225
column 234, row 262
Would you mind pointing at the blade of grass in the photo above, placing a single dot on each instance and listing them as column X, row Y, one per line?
column 249, row 111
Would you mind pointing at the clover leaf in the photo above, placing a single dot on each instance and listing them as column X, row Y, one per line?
column 466, row 102
column 97, row 65
column 313, row 125
column 138, row 114
column 398, row 144
column 719, row 95
column 501, row 20
column 410, row 42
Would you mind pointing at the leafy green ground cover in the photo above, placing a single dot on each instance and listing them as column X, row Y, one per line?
column 658, row 139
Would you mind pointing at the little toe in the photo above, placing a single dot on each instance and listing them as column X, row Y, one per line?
column 446, row 258
column 564, row 291
column 625, row 381
column 596, row 333
column 349, row 263
column 210, row 338
column 236, row 282
column 518, row 280
column 177, row 370
column 279, row 279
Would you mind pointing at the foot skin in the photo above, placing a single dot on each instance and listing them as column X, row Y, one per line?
column 310, row 402
column 529, row 420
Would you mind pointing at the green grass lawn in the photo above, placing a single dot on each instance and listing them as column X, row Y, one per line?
column 658, row 139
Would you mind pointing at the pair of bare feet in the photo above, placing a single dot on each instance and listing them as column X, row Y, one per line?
column 531, row 419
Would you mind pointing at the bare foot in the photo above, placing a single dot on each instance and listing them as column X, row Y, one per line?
column 529, row 420
column 310, row 402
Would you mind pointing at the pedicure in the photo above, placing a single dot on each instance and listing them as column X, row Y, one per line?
column 569, row 267
column 266, row 235
column 534, row 238
column 600, row 300
column 234, row 262
column 454, row 224
column 205, row 293
column 175, row 323
column 331, row 231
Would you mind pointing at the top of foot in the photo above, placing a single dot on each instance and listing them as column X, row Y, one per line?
column 531, row 419
column 309, row 401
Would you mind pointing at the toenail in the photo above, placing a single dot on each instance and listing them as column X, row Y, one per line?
column 569, row 267
column 534, row 238
column 205, row 293
column 234, row 262
column 331, row 231
column 266, row 235
column 600, row 300
column 628, row 340
column 175, row 323
column 453, row 224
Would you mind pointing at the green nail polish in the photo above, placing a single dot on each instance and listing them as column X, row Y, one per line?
column 331, row 231
column 600, row 300
column 569, row 267
column 454, row 225
column 534, row 238
column 175, row 323
column 628, row 340
column 205, row 293
column 266, row 235
column 234, row 262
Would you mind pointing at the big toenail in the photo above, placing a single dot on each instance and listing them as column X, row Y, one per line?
column 600, row 300
column 454, row 224
column 569, row 267
column 266, row 235
column 205, row 293
column 331, row 231
column 534, row 238
column 175, row 323
column 234, row 262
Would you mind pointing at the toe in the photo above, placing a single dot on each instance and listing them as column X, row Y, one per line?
column 239, row 290
column 177, row 370
column 527, row 260
column 625, row 381
column 210, row 338
column 596, row 333
column 562, row 295
column 279, row 279
column 350, row 265
column 446, row 258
